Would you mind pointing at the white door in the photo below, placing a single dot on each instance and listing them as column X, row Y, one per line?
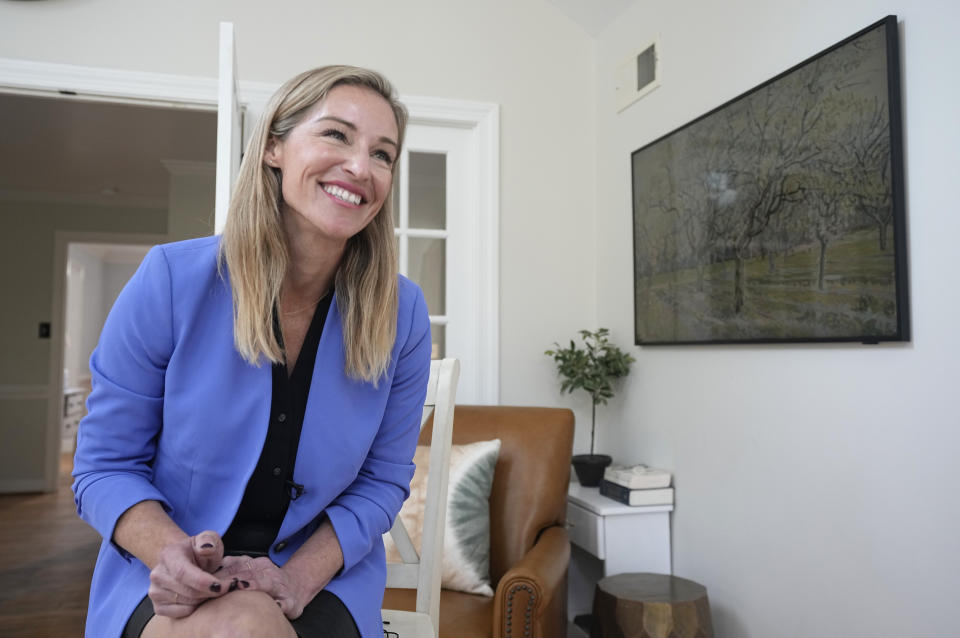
column 433, row 234
column 229, row 126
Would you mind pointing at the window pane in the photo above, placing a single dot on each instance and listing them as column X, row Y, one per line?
column 428, row 267
column 396, row 197
column 438, row 337
column 428, row 190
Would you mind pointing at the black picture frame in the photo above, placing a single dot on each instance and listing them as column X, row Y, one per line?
column 779, row 216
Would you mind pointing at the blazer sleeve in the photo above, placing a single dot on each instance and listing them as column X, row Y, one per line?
column 116, row 441
column 367, row 508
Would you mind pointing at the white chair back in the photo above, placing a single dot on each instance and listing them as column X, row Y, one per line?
column 422, row 571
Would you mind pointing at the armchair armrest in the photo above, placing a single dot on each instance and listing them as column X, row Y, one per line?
column 533, row 588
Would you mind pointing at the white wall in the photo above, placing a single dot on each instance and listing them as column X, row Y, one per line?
column 93, row 284
column 816, row 484
column 524, row 55
column 116, row 274
column 84, row 312
column 26, row 292
column 26, row 273
column 190, row 202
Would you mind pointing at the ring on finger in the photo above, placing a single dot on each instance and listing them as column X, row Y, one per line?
column 176, row 597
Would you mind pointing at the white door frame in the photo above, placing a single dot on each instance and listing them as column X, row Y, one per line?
column 482, row 121
column 197, row 93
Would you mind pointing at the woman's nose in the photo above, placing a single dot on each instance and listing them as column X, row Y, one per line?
column 357, row 163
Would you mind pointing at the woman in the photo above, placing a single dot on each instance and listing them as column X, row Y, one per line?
column 256, row 399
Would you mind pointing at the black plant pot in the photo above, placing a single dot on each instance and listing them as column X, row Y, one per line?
column 589, row 468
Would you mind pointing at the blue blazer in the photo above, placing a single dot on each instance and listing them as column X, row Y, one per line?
column 177, row 416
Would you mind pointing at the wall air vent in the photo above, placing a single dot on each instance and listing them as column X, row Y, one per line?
column 638, row 75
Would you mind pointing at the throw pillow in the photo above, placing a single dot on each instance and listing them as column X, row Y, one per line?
column 466, row 539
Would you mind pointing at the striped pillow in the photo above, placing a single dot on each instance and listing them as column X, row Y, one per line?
column 466, row 541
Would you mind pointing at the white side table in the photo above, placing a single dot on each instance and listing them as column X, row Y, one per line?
column 611, row 538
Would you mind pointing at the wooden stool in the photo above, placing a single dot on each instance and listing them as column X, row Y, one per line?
column 650, row 606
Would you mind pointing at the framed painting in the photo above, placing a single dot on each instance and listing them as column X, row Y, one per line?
column 779, row 216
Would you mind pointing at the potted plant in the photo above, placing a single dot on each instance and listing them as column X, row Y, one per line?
column 593, row 368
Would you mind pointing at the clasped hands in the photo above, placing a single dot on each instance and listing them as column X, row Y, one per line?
column 193, row 570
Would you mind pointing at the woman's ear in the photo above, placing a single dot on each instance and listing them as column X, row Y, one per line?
column 271, row 154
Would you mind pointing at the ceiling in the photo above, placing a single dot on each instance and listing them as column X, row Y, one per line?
column 99, row 152
column 592, row 15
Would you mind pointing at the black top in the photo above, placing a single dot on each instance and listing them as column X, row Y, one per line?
column 271, row 487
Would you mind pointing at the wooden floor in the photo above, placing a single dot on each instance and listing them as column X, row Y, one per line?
column 46, row 561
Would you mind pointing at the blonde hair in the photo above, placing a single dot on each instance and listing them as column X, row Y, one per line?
column 254, row 249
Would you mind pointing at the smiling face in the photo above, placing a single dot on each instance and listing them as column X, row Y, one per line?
column 336, row 166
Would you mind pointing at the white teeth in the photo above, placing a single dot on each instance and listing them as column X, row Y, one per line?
column 342, row 193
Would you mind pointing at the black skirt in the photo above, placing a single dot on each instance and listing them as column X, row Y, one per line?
column 324, row 617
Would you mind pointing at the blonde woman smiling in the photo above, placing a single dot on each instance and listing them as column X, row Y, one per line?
column 256, row 397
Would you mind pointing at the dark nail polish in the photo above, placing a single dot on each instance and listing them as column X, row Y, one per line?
column 215, row 588
column 244, row 583
column 233, row 584
column 206, row 546
column 218, row 569
column 278, row 603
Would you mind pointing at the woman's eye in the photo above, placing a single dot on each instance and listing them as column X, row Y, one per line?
column 335, row 134
column 383, row 156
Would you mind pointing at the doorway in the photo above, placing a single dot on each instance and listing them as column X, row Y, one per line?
column 77, row 171
column 95, row 275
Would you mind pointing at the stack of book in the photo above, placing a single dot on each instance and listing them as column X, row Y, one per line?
column 637, row 485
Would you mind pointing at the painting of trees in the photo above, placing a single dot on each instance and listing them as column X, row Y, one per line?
column 775, row 216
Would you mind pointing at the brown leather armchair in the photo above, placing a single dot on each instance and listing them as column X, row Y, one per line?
column 529, row 546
